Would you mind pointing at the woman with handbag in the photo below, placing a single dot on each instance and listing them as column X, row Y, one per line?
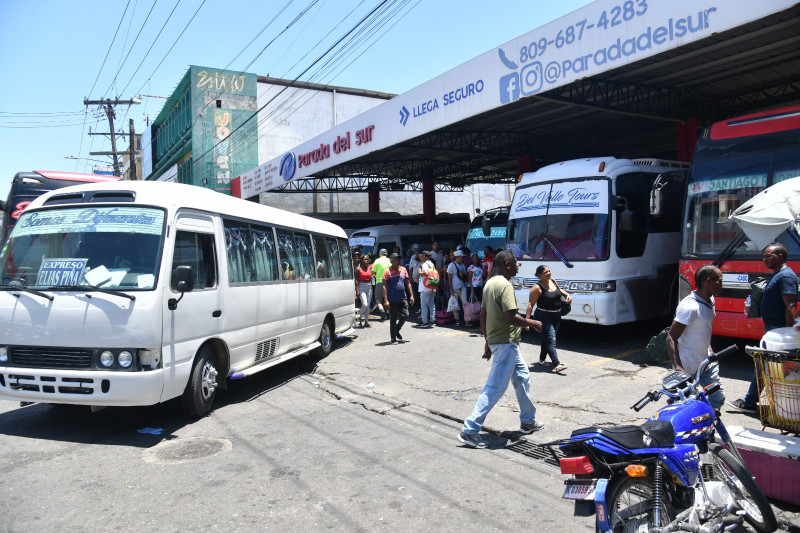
column 547, row 296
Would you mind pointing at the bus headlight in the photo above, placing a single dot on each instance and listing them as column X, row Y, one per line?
column 125, row 358
column 593, row 286
column 3, row 354
column 516, row 283
column 107, row 359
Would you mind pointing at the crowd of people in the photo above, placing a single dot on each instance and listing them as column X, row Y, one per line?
column 454, row 278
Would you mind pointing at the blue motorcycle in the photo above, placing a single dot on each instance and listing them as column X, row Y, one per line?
column 668, row 474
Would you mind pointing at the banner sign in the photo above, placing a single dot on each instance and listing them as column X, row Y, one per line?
column 561, row 198
column 597, row 38
column 101, row 219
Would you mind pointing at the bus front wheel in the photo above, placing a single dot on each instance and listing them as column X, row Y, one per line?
column 201, row 390
column 325, row 340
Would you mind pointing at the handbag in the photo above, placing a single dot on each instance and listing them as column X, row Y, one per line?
column 472, row 309
column 565, row 307
column 757, row 287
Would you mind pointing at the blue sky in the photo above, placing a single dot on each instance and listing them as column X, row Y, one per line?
column 55, row 53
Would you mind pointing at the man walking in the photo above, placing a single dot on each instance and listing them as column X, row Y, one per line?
column 780, row 297
column 501, row 324
column 689, row 337
column 456, row 278
column 378, row 268
column 396, row 288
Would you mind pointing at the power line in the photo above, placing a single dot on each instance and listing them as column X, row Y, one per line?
column 110, row 46
column 132, row 45
column 237, row 128
column 151, row 46
column 173, row 46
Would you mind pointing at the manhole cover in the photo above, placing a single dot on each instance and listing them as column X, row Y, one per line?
column 186, row 449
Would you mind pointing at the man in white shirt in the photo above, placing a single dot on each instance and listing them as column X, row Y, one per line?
column 689, row 337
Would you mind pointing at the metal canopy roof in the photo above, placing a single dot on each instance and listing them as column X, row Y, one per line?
column 631, row 111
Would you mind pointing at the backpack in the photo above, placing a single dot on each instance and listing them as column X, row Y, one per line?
column 431, row 280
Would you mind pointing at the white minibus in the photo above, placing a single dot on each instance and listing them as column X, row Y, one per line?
column 133, row 293
column 591, row 222
column 371, row 240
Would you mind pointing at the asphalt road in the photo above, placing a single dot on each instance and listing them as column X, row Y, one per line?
column 364, row 440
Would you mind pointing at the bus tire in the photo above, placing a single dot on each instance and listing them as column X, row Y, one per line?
column 325, row 340
column 201, row 389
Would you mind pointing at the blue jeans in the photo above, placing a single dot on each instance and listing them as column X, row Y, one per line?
column 550, row 323
column 753, row 392
column 428, row 306
column 711, row 375
column 507, row 365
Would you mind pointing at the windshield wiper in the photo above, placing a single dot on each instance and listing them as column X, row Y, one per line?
column 93, row 288
column 26, row 289
column 729, row 250
column 557, row 252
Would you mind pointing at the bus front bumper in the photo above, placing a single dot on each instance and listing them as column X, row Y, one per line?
column 81, row 387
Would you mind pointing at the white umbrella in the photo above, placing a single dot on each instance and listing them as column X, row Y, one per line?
column 770, row 212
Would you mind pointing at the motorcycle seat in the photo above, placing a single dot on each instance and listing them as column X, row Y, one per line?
column 651, row 434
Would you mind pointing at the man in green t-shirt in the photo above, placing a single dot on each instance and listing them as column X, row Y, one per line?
column 501, row 324
column 378, row 267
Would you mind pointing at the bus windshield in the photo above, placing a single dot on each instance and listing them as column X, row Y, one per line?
column 569, row 218
column 108, row 247
column 716, row 188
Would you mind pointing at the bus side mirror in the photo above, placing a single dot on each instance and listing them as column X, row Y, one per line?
column 486, row 226
column 183, row 280
column 625, row 220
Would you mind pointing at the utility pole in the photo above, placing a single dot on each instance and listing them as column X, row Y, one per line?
column 108, row 106
column 132, row 149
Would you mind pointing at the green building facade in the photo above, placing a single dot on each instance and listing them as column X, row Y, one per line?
column 207, row 129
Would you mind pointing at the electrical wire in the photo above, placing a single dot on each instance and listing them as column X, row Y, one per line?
column 131, row 48
column 171, row 47
column 151, row 46
column 110, row 46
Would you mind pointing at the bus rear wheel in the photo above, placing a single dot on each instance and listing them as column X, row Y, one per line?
column 201, row 390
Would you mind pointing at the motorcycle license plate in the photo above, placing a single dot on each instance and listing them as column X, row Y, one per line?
column 579, row 489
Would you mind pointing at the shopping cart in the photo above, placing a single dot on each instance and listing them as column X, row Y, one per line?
column 778, row 374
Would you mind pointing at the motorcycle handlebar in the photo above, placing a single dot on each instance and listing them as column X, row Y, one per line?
column 714, row 357
column 638, row 406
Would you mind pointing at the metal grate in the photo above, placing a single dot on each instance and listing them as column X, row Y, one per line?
column 51, row 357
column 266, row 349
column 536, row 451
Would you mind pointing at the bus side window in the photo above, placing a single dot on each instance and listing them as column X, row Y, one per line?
column 323, row 260
column 347, row 265
column 197, row 251
column 635, row 188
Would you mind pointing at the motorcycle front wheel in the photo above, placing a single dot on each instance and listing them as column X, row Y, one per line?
column 746, row 493
column 631, row 506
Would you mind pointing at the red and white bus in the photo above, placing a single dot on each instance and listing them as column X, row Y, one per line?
column 734, row 160
column 27, row 186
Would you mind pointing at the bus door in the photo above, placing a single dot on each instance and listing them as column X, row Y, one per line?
column 198, row 315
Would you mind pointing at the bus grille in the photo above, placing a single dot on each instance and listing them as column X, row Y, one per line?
column 265, row 350
column 51, row 357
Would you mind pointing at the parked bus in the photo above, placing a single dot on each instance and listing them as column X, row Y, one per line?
column 373, row 239
column 27, row 186
column 590, row 221
column 488, row 229
column 734, row 160
column 133, row 293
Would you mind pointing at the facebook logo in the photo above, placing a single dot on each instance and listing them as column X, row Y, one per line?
column 509, row 88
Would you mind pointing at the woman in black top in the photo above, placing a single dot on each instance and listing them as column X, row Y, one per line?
column 546, row 296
